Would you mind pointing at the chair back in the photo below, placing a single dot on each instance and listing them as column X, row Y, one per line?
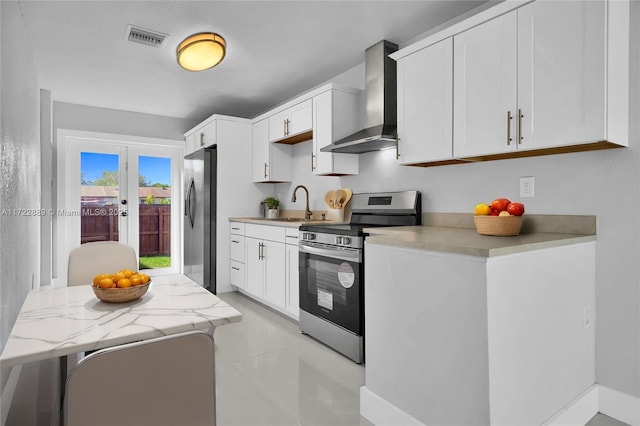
column 102, row 257
column 166, row 381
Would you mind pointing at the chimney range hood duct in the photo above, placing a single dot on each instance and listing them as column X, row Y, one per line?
column 380, row 130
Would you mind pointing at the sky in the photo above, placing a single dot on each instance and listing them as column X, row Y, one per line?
column 154, row 169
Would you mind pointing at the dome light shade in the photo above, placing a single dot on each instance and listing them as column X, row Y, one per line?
column 201, row 51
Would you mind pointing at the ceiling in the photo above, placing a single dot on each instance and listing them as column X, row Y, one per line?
column 276, row 49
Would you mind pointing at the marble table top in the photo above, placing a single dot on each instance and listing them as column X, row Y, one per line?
column 54, row 322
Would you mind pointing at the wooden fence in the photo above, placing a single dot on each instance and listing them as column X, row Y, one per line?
column 100, row 223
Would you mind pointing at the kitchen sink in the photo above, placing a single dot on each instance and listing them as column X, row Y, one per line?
column 292, row 219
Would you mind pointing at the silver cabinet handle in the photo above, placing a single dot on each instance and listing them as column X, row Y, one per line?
column 312, row 158
column 235, row 269
column 201, row 138
column 398, row 148
column 509, row 127
column 265, row 170
column 520, row 116
column 235, row 241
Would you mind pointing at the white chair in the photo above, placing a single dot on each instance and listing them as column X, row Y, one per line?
column 166, row 381
column 102, row 257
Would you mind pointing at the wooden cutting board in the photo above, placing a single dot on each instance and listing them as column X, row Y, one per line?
column 328, row 198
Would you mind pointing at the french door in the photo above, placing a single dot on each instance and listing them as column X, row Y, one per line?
column 126, row 190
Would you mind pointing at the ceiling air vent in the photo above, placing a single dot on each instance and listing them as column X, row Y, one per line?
column 144, row 36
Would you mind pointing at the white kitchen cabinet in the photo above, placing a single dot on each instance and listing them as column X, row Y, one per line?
column 292, row 281
column 425, row 104
column 533, row 78
column 265, row 264
column 335, row 116
column 271, row 161
column 237, row 258
column 292, row 121
column 499, row 340
column 201, row 137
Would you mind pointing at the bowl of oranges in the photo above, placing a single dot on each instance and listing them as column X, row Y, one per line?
column 122, row 286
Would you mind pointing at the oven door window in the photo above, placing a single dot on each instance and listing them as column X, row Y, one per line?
column 331, row 289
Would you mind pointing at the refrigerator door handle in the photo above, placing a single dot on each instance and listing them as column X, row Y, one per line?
column 190, row 214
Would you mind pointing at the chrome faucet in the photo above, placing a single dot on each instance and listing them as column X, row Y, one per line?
column 307, row 212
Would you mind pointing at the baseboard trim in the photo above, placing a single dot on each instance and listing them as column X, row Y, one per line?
column 8, row 391
column 619, row 405
column 596, row 399
column 579, row 411
column 381, row 412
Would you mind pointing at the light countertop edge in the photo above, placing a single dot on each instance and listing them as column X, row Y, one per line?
column 467, row 241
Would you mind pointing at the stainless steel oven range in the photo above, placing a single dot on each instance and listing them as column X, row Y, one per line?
column 332, row 268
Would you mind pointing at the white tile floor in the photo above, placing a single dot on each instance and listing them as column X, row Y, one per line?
column 268, row 373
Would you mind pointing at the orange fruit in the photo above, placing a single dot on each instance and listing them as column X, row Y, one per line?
column 124, row 283
column 98, row 277
column 127, row 273
column 135, row 280
column 117, row 277
column 144, row 278
column 105, row 283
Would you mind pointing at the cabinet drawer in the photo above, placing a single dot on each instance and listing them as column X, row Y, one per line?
column 291, row 234
column 237, row 228
column 266, row 232
column 236, row 247
column 236, row 274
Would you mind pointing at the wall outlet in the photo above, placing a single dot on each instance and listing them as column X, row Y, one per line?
column 526, row 187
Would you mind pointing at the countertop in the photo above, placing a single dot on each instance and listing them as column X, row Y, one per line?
column 281, row 222
column 54, row 322
column 454, row 233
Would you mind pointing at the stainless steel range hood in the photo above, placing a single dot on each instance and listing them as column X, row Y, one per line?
column 381, row 107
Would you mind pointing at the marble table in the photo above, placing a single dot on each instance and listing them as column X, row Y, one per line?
column 56, row 322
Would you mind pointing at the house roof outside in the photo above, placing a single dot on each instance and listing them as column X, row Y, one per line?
column 95, row 191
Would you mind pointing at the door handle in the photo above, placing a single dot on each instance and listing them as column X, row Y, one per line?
column 509, row 127
column 520, row 126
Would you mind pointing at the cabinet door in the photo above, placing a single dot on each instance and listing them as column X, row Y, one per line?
column 292, row 302
column 274, row 273
column 561, row 73
column 260, row 154
column 425, row 104
column 484, row 87
column 335, row 116
column 190, row 143
column 278, row 125
column 254, row 268
column 236, row 274
column 300, row 118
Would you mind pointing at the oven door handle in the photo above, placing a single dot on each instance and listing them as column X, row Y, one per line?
column 350, row 255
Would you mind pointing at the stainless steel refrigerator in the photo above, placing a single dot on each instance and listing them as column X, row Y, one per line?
column 200, row 217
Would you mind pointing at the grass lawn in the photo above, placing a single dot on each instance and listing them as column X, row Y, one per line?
column 152, row 262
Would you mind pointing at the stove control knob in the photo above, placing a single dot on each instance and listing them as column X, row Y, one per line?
column 308, row 236
column 338, row 240
column 346, row 240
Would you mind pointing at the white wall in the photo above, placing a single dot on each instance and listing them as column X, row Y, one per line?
column 19, row 170
column 601, row 183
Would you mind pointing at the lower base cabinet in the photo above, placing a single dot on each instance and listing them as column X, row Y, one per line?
column 468, row 340
column 271, row 267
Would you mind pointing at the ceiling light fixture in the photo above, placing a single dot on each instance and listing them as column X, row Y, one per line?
column 201, row 51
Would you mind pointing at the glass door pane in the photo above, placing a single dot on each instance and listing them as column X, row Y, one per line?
column 99, row 197
column 154, row 204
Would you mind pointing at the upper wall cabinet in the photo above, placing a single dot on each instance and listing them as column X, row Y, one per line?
column 335, row 116
column 546, row 77
column 425, row 104
column 201, row 137
column 292, row 125
column 271, row 161
column 533, row 78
